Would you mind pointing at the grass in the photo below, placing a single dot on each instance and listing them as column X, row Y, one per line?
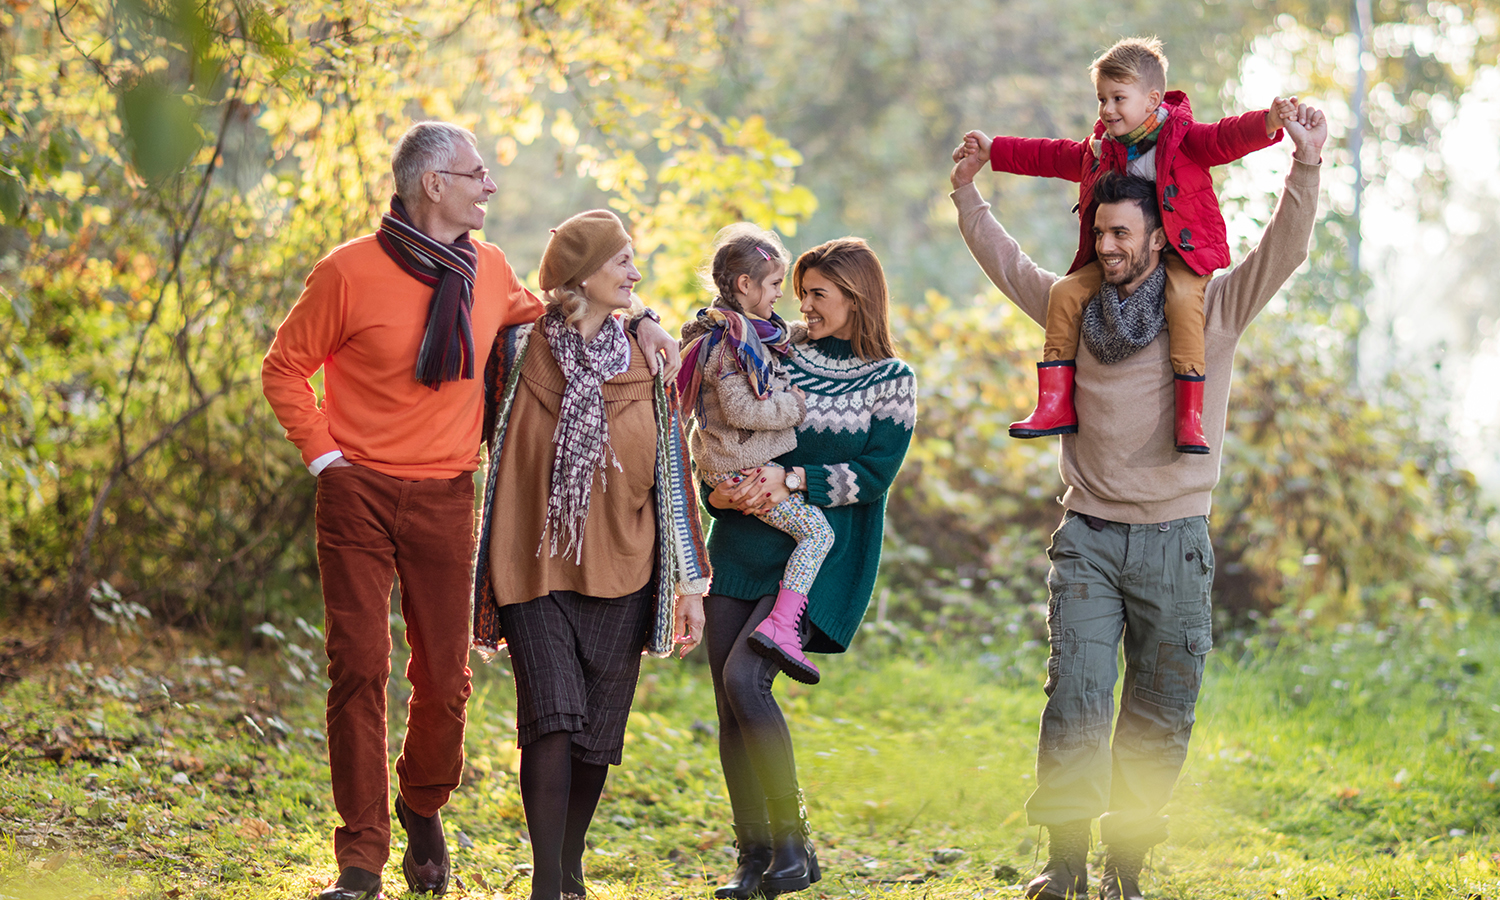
column 1359, row 763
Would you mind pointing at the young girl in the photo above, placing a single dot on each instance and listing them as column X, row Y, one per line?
column 746, row 412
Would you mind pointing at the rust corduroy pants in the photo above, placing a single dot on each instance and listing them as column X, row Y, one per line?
column 371, row 528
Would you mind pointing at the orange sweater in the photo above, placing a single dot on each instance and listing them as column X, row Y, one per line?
column 361, row 319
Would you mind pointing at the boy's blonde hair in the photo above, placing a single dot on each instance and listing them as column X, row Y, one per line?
column 1133, row 59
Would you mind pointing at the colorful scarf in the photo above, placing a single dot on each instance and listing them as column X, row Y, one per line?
column 1143, row 138
column 582, row 435
column 447, row 351
column 753, row 341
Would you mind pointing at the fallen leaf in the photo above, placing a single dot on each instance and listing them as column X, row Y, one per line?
column 254, row 829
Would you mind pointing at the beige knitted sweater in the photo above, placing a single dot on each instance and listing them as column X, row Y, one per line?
column 1122, row 464
column 737, row 429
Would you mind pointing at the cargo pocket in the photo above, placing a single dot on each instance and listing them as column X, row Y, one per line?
column 1194, row 577
column 1179, row 669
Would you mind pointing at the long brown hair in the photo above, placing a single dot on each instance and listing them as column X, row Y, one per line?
column 852, row 266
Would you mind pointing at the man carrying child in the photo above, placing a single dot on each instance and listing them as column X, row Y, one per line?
column 1132, row 557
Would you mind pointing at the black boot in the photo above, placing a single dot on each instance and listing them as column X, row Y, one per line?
column 1066, row 876
column 754, row 843
column 1122, row 872
column 354, row 883
column 794, row 863
column 425, row 864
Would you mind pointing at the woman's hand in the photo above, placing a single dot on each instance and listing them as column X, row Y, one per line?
column 753, row 491
column 734, row 493
column 769, row 489
column 687, row 623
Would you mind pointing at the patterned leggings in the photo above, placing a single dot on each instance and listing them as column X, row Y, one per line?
column 804, row 522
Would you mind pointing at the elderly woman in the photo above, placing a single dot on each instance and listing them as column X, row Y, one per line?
column 590, row 532
column 861, row 408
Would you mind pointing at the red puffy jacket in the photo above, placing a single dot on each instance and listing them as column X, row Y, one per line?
column 1184, row 188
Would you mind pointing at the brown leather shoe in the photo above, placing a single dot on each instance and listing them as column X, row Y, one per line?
column 353, row 884
column 424, row 841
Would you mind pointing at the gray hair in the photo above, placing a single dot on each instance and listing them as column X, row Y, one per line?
column 426, row 147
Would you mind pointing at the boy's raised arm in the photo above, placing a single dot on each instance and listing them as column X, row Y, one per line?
column 1041, row 157
column 1222, row 142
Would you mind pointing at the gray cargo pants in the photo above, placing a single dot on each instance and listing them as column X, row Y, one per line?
column 1151, row 584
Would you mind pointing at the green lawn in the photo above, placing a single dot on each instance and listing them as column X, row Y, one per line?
column 1358, row 763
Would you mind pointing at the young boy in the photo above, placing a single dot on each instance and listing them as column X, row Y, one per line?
column 1142, row 130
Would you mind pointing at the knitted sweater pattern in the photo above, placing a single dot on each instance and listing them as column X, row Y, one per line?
column 738, row 430
column 853, row 438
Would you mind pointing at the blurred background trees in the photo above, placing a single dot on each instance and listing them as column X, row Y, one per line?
column 170, row 170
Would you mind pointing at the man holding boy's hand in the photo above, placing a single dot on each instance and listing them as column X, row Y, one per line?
column 1132, row 558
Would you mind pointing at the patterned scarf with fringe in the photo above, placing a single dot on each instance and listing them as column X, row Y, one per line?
column 582, row 435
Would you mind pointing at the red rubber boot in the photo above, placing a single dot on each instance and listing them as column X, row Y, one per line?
column 1054, row 412
column 1190, row 437
column 776, row 637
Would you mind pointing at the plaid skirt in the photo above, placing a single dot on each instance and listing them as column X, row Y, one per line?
column 576, row 661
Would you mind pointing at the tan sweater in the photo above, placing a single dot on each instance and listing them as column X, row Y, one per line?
column 739, row 430
column 1122, row 464
column 619, row 538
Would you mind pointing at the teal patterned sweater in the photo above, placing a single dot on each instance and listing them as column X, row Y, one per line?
column 859, row 421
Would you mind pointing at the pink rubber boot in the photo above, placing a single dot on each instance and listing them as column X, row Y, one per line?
column 776, row 637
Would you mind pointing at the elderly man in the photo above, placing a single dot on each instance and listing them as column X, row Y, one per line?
column 401, row 322
column 1132, row 556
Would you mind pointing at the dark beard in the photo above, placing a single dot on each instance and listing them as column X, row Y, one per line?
column 1139, row 265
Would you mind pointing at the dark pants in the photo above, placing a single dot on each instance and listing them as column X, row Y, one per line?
column 372, row 527
column 755, row 745
column 1149, row 583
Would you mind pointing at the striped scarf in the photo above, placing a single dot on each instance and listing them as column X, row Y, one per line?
column 1143, row 138
column 582, row 435
column 753, row 341
column 447, row 351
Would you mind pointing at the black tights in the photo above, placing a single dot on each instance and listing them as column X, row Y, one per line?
column 755, row 745
column 559, row 794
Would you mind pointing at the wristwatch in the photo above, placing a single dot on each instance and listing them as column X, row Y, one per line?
column 793, row 480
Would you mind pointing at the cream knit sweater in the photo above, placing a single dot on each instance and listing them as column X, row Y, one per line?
column 1122, row 464
column 737, row 429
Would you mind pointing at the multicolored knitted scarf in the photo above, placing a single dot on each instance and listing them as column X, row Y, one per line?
column 582, row 434
column 1143, row 138
column 447, row 351
column 752, row 340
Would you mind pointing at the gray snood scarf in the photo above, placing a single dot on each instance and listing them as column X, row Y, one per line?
column 1114, row 329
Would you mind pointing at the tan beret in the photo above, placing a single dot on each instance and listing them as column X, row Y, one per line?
column 579, row 246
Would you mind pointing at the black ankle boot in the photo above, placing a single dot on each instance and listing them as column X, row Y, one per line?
column 754, row 843
column 794, row 863
column 1066, row 876
column 353, row 883
column 1122, row 872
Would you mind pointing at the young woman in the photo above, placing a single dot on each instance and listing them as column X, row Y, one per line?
column 589, row 532
column 860, row 410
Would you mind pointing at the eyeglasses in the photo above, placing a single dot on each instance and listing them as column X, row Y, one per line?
column 479, row 176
